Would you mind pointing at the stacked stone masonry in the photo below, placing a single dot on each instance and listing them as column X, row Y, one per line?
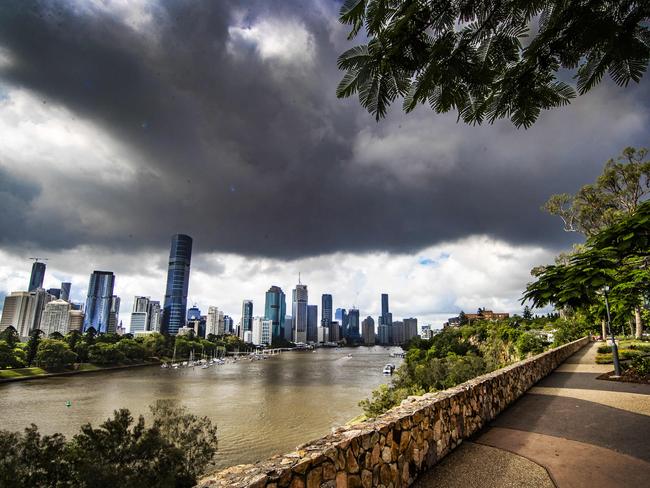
column 393, row 449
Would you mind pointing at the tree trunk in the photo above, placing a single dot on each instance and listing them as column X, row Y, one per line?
column 603, row 326
column 639, row 323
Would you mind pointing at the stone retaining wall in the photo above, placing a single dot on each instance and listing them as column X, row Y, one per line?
column 393, row 449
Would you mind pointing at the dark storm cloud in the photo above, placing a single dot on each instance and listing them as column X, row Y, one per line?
column 256, row 156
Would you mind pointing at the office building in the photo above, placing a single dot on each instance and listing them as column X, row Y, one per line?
column 410, row 328
column 323, row 334
column 334, row 331
column 386, row 318
column 99, row 301
column 299, row 313
column 37, row 276
column 368, row 331
column 154, row 315
column 193, row 313
column 55, row 317
column 114, row 315
column 178, row 280
column 262, row 331
column 288, row 328
column 383, row 335
column 65, row 291
column 353, row 334
column 228, row 324
column 76, row 320
column 246, row 324
column 398, row 337
column 275, row 309
column 326, row 310
column 312, row 323
column 341, row 316
column 141, row 304
column 138, row 322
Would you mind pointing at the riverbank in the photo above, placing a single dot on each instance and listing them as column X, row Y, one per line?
column 24, row 374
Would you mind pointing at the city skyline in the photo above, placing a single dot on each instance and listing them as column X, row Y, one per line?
column 447, row 215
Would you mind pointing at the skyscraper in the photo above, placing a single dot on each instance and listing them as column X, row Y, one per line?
column 326, row 310
column 312, row 323
column 193, row 313
column 410, row 328
column 114, row 315
column 141, row 304
column 178, row 280
column 368, row 331
column 154, row 315
column 65, row 291
column 275, row 309
column 246, row 318
column 353, row 326
column 55, row 292
column 342, row 318
column 228, row 324
column 299, row 310
column 38, row 274
column 22, row 310
column 385, row 329
column 99, row 301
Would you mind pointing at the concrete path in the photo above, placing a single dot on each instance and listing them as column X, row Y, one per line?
column 583, row 432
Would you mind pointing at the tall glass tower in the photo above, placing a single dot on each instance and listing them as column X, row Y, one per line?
column 326, row 310
column 178, row 280
column 38, row 274
column 65, row 291
column 246, row 318
column 99, row 301
column 275, row 309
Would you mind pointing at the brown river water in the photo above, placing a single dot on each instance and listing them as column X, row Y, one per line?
column 261, row 408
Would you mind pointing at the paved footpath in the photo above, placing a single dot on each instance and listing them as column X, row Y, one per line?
column 570, row 430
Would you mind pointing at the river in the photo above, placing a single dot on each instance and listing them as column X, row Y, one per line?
column 261, row 408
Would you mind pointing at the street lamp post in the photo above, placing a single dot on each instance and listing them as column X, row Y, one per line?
column 617, row 366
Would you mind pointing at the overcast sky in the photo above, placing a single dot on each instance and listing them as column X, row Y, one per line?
column 124, row 122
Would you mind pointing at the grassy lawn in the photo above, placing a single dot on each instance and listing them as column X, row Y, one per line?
column 627, row 349
column 21, row 372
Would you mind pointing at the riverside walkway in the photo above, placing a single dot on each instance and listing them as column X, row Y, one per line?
column 570, row 430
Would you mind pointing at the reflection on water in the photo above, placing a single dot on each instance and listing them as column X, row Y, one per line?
column 261, row 407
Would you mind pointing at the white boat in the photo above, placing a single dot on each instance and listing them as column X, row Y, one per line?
column 389, row 369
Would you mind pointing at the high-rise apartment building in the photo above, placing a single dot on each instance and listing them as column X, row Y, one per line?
column 397, row 337
column 65, row 291
column 368, row 331
column 76, row 321
column 334, row 331
column 37, row 276
column 312, row 323
column 246, row 318
column 178, row 280
column 275, row 309
column 215, row 322
column 99, row 301
column 326, row 310
column 55, row 317
column 228, row 324
column 299, row 313
column 261, row 333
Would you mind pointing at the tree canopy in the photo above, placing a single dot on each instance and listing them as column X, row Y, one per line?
column 492, row 59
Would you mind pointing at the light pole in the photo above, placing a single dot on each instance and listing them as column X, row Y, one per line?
column 617, row 366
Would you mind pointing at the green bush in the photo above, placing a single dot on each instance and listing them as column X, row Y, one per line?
column 528, row 343
column 54, row 354
column 641, row 366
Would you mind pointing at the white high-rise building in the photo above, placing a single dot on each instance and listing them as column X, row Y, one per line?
column 23, row 310
column 138, row 322
column 323, row 334
column 56, row 317
column 141, row 304
column 299, row 313
column 154, row 316
column 261, row 331
column 214, row 322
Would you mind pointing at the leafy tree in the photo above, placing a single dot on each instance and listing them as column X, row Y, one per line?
column 54, row 354
column 11, row 357
column 528, row 343
column 617, row 193
column 72, row 338
column 32, row 345
column 617, row 257
column 131, row 350
column 90, row 335
column 103, row 353
column 462, row 318
column 154, row 345
column 56, row 335
column 527, row 315
column 30, row 460
column 469, row 56
column 10, row 336
column 194, row 437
